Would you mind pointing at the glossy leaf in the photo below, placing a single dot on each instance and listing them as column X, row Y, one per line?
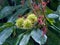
column 53, row 16
column 5, row 34
column 58, row 10
column 48, row 11
column 18, row 39
column 5, row 11
column 59, row 18
column 25, row 39
column 19, row 12
column 8, row 10
column 53, row 38
column 37, row 36
column 6, row 25
column 58, row 29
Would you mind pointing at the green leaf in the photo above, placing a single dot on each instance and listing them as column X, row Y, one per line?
column 8, row 10
column 25, row 39
column 59, row 18
column 14, row 40
column 5, row 11
column 37, row 36
column 5, row 34
column 50, row 21
column 48, row 11
column 53, row 38
column 6, row 25
column 9, row 24
column 58, row 10
column 55, row 27
column 13, row 18
column 19, row 12
column 18, row 39
column 53, row 16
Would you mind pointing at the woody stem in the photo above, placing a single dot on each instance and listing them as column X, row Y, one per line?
column 40, row 1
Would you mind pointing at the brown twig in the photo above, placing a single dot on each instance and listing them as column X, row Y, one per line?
column 43, row 11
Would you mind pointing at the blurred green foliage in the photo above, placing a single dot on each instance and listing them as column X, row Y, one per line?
column 53, row 38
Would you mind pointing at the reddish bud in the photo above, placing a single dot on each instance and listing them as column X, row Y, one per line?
column 35, row 6
column 40, row 20
column 25, row 16
column 44, row 5
column 19, row 16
